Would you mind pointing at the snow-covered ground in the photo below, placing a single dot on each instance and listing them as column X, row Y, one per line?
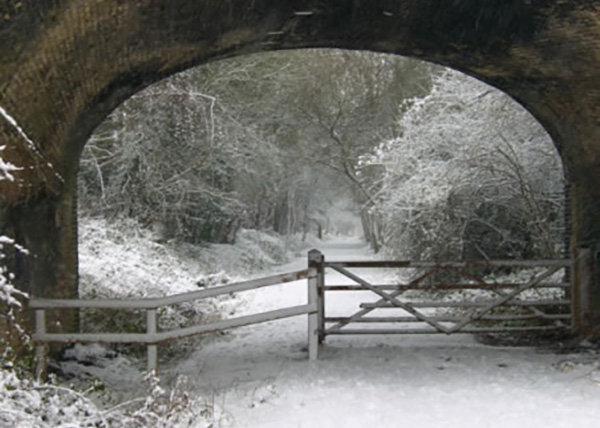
column 99, row 387
column 261, row 376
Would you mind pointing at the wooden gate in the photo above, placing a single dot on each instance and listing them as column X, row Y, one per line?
column 470, row 297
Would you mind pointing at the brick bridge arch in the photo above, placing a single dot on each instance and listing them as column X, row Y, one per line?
column 66, row 64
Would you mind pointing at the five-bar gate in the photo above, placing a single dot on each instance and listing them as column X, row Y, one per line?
column 450, row 297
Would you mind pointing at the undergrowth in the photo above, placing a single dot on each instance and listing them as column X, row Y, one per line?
column 29, row 403
column 121, row 260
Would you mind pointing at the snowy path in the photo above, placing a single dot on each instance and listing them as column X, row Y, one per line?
column 261, row 376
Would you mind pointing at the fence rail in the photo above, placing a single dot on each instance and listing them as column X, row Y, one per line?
column 485, row 263
column 156, row 302
column 469, row 304
column 431, row 287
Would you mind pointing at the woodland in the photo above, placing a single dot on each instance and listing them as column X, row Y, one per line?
column 435, row 164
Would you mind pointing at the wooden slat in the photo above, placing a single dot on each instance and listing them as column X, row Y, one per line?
column 314, row 258
column 481, row 304
column 155, row 302
column 482, row 330
column 95, row 338
column 406, row 287
column 40, row 350
column 415, row 264
column 449, row 318
column 152, row 349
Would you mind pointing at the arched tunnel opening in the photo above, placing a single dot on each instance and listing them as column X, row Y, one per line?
column 424, row 162
column 317, row 116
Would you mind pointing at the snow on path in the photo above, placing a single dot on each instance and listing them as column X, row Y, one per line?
column 261, row 376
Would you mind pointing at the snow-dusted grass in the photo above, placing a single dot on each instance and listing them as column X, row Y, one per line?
column 121, row 260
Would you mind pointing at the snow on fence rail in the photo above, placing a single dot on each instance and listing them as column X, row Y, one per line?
column 152, row 337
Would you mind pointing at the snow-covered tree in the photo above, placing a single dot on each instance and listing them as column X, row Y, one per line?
column 12, row 336
column 472, row 175
column 264, row 141
column 349, row 103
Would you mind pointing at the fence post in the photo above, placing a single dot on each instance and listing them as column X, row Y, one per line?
column 321, row 297
column 314, row 258
column 152, row 348
column 582, row 295
column 40, row 348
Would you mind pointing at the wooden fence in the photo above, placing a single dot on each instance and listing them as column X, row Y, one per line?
column 152, row 337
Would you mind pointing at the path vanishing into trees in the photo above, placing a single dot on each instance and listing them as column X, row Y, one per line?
column 261, row 375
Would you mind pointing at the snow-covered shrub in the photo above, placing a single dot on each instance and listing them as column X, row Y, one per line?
column 122, row 260
column 14, row 341
column 29, row 404
column 252, row 252
column 261, row 250
column 166, row 408
column 473, row 175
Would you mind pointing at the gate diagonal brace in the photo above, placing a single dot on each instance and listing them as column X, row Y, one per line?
column 387, row 297
column 505, row 298
column 534, row 310
column 531, row 309
column 360, row 314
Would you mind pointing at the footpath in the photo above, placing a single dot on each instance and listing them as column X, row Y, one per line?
column 261, row 375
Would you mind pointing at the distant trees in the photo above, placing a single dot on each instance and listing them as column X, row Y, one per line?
column 265, row 141
column 472, row 174
column 346, row 103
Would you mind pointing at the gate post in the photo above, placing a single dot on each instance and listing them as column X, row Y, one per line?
column 583, row 293
column 314, row 259
column 321, row 297
column 40, row 347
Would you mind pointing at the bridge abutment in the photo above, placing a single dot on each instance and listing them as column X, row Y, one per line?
column 586, row 254
column 46, row 228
